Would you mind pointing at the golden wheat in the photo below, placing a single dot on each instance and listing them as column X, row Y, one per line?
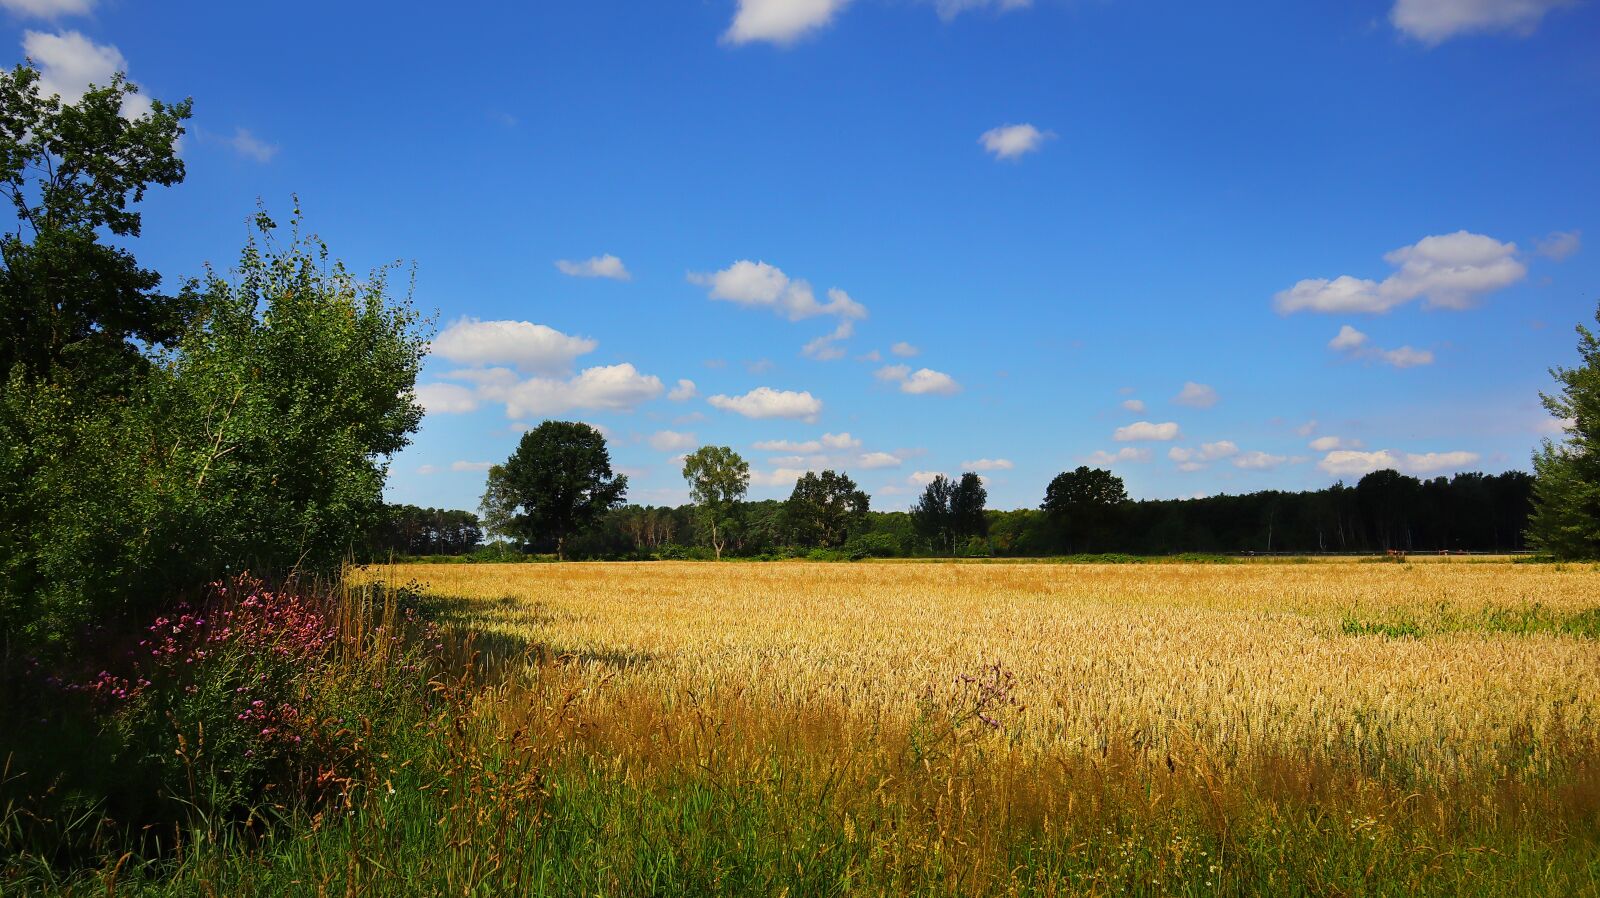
column 1235, row 663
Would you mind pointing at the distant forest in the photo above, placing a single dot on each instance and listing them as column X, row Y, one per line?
column 1384, row 511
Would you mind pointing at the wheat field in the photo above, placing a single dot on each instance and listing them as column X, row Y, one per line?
column 936, row 728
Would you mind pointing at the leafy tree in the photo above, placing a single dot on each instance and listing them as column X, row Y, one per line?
column 967, row 518
column 1388, row 499
column 498, row 507
column 825, row 509
column 718, row 479
column 259, row 440
column 1566, row 516
column 932, row 514
column 1082, row 503
column 71, row 171
column 560, row 477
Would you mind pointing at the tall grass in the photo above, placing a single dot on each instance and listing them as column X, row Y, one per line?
column 828, row 730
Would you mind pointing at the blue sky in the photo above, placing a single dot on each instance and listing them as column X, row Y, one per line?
column 1215, row 248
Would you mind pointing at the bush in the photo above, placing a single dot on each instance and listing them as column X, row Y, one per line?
column 252, row 698
column 872, row 545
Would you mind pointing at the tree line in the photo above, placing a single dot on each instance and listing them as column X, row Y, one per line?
column 557, row 493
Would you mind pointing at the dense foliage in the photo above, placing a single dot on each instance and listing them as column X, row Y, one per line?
column 718, row 479
column 558, row 483
column 1566, row 520
column 409, row 530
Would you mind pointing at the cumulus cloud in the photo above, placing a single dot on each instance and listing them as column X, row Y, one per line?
column 1144, row 430
column 781, row 477
column 48, row 9
column 1125, row 454
column 1347, row 338
column 606, row 266
column 765, row 402
column 1354, row 343
column 840, row 441
column 949, row 9
column 427, row 469
column 471, row 465
column 69, row 62
column 1013, row 141
column 1350, row 462
column 1448, row 271
column 904, row 350
column 1559, row 245
column 923, row 478
column 760, row 285
column 923, row 381
column 1330, row 443
column 809, row 446
column 1133, row 405
column 251, row 147
column 1405, row 357
column 1194, row 459
column 1258, row 461
column 684, row 391
column 529, row 346
column 1435, row 21
column 1196, row 395
column 988, row 464
column 607, row 387
column 779, row 21
column 872, row 460
column 672, row 441
column 446, row 399
column 823, row 348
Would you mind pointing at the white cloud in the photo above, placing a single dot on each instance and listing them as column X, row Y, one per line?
column 782, row 477
column 672, row 441
column 532, row 347
column 427, row 469
column 69, row 62
column 1348, row 462
column 949, row 9
column 919, row 382
column 1436, row 21
column 760, row 285
column 1448, row 271
column 1354, row 344
column 606, row 266
column 446, row 399
column 923, row 478
column 1560, row 244
column 1405, row 357
column 608, row 387
column 1258, row 461
column 1144, row 430
column 251, row 147
column 823, row 349
column 1013, row 141
column 904, row 350
column 872, row 460
column 765, row 402
column 1125, row 454
column 809, row 446
column 759, row 366
column 779, row 21
column 1196, row 395
column 873, row 356
column 685, row 390
column 1328, row 444
column 48, row 9
column 471, row 465
column 1133, row 405
column 1434, row 462
column 840, row 441
column 1306, row 429
column 988, row 464
column 1206, row 452
column 1556, row 426
column 1347, row 338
